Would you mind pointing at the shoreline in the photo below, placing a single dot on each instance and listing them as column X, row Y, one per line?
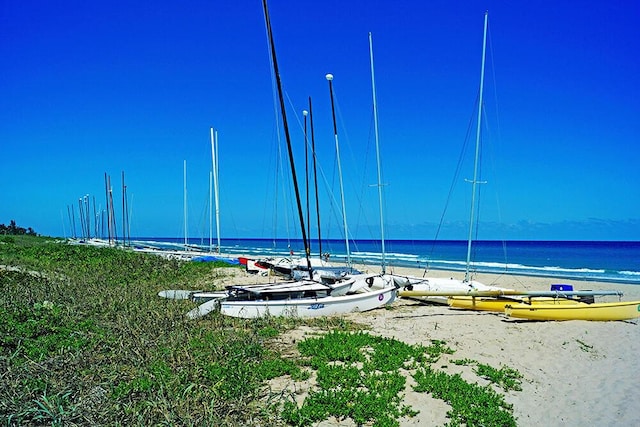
column 590, row 270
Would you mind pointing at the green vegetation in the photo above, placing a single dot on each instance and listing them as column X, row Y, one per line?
column 584, row 346
column 84, row 340
column 13, row 229
column 505, row 377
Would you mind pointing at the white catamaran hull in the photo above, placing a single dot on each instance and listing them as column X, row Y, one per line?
column 441, row 285
column 310, row 307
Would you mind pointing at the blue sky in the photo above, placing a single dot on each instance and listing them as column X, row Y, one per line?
column 92, row 88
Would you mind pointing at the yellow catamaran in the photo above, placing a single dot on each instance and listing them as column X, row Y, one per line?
column 498, row 304
column 598, row 311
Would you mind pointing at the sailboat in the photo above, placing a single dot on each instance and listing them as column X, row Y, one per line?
column 557, row 304
column 426, row 285
column 306, row 298
column 330, row 272
column 321, row 269
column 623, row 310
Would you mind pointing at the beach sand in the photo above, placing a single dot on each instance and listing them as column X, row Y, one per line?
column 575, row 373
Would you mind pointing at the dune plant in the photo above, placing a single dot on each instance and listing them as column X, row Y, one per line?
column 85, row 340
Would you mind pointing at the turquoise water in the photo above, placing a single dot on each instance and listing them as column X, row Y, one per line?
column 602, row 261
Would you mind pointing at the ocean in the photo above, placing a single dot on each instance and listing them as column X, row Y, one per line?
column 580, row 260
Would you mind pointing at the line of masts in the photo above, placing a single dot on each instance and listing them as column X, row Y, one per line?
column 104, row 220
column 106, row 217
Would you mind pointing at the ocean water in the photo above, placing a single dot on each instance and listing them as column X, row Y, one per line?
column 601, row 261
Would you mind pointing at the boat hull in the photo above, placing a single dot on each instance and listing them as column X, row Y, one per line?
column 310, row 307
column 597, row 312
column 429, row 288
column 498, row 304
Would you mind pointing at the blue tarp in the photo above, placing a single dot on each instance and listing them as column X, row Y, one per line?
column 209, row 258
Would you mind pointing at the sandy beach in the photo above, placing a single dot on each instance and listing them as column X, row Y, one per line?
column 575, row 373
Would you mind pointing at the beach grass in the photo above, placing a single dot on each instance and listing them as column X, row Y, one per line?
column 85, row 340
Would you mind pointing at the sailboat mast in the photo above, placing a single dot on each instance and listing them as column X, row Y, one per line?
column 210, row 211
column 82, row 223
column 87, row 203
column 315, row 175
column 474, row 183
column 335, row 135
column 186, row 247
column 214, row 161
column 95, row 218
column 276, row 72
column 106, row 194
column 124, row 212
column 305, row 113
column 375, row 125
column 112, row 214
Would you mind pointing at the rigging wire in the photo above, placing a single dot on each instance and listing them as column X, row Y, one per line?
column 454, row 181
column 499, row 139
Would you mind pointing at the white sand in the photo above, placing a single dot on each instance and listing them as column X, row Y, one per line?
column 576, row 373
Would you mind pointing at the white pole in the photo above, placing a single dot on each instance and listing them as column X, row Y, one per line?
column 215, row 186
column 186, row 243
column 210, row 211
column 375, row 123
column 475, row 163
column 329, row 77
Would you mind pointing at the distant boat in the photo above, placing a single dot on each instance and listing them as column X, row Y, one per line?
column 597, row 312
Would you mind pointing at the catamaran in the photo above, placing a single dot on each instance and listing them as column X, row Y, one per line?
column 430, row 286
column 624, row 310
column 302, row 298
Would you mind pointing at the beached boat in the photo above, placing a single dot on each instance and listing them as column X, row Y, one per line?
column 298, row 268
column 308, row 305
column 498, row 304
column 439, row 285
column 597, row 311
column 297, row 299
column 438, row 289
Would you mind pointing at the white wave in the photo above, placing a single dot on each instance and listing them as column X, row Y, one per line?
column 629, row 273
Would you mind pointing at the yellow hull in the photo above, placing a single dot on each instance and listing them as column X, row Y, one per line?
column 598, row 311
column 498, row 304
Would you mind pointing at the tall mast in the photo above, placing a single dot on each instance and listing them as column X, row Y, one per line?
column 95, row 218
column 305, row 113
column 185, row 206
column 106, row 193
column 214, row 162
column 124, row 212
column 375, row 123
column 335, row 135
column 475, row 182
column 82, row 223
column 213, row 156
column 211, row 211
column 315, row 176
column 276, row 72
column 87, row 216
column 112, row 214
column 216, row 190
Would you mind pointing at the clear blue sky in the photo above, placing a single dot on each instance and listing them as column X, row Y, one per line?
column 88, row 88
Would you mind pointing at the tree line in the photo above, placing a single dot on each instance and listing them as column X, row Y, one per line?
column 13, row 229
